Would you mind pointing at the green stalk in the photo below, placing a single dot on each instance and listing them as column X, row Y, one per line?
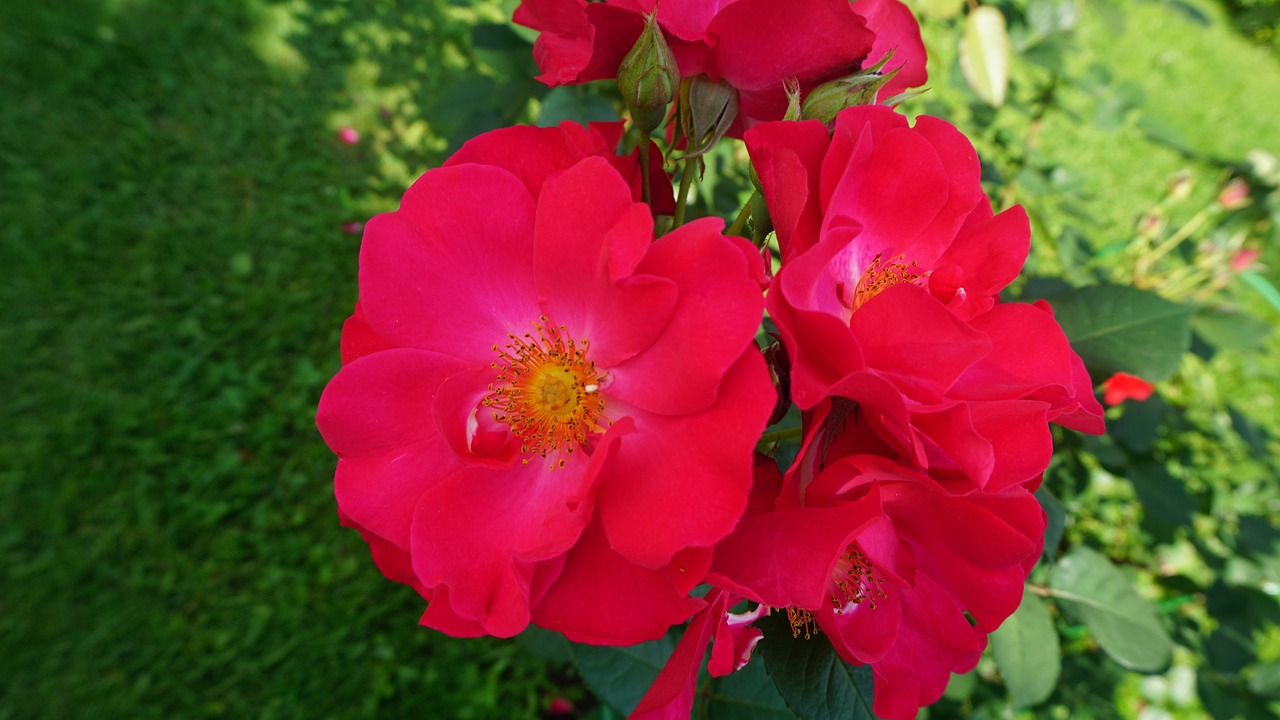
column 644, row 169
column 741, row 221
column 686, row 180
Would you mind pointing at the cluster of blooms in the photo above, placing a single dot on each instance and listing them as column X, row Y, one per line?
column 545, row 415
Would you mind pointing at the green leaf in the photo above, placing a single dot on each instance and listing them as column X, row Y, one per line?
column 1027, row 653
column 815, row 683
column 1116, row 328
column 985, row 53
column 1226, row 699
column 1230, row 330
column 1045, row 17
column 937, row 9
column 747, row 694
column 622, row 675
column 1265, row 680
column 1230, row 648
column 545, row 644
column 1162, row 495
column 1056, row 521
column 1139, row 424
column 1249, row 430
column 1263, row 286
column 1123, row 622
column 576, row 103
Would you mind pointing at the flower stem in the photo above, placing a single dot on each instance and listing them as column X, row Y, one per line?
column 741, row 221
column 1149, row 258
column 644, row 169
column 686, row 180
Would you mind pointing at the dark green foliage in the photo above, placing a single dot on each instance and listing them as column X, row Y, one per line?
column 621, row 675
column 815, row 683
column 1123, row 329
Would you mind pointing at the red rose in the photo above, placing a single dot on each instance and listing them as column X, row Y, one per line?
column 887, row 565
column 754, row 45
column 888, row 296
column 545, row 414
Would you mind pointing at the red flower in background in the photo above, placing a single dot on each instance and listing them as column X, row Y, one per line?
column 754, row 45
column 545, row 414
column 1123, row 386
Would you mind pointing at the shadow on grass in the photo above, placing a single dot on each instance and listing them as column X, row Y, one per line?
column 176, row 276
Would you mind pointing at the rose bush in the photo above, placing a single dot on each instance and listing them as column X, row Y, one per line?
column 547, row 411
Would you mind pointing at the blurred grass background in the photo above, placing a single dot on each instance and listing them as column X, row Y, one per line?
column 172, row 203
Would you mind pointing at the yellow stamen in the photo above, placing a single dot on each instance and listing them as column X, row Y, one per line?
column 876, row 278
column 802, row 621
column 853, row 581
column 548, row 392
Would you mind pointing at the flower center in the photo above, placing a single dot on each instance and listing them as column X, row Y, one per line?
column 878, row 276
column 548, row 392
column 853, row 580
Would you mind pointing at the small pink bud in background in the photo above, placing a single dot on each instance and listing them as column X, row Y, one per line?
column 1180, row 187
column 353, row 228
column 1244, row 258
column 1151, row 224
column 349, row 135
column 560, row 706
column 1123, row 386
column 1234, row 195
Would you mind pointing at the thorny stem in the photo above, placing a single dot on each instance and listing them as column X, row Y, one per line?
column 1148, row 259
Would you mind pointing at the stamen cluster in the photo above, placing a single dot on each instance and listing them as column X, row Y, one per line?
column 548, row 392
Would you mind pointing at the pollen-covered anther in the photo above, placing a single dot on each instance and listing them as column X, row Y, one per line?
column 854, row 580
column 878, row 276
column 547, row 392
column 802, row 621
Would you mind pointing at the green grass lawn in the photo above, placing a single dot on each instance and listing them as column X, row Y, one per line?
column 172, row 195
column 175, row 280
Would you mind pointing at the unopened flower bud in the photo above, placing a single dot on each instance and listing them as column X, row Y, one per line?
column 1151, row 225
column 1244, row 259
column 707, row 111
column 560, row 706
column 1180, row 188
column 648, row 77
column 860, row 88
column 1234, row 195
